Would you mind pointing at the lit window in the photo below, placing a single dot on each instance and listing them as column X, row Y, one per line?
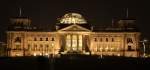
column 74, row 42
column 118, row 54
column 106, row 49
column 101, row 48
column 111, row 49
column 68, row 41
column 52, row 44
column 40, row 54
column 17, row 54
column 80, row 41
column 34, row 54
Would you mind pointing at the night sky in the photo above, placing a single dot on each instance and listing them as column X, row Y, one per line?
column 97, row 12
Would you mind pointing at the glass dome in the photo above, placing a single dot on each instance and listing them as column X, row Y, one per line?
column 72, row 18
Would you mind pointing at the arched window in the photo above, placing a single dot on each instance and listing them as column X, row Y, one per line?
column 129, row 40
column 18, row 39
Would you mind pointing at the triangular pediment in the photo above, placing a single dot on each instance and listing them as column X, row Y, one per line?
column 75, row 28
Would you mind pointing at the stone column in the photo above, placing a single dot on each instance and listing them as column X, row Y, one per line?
column 78, row 42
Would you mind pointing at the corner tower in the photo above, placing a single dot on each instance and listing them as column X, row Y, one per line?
column 16, row 34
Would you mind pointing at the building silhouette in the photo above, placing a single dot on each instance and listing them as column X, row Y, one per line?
column 73, row 34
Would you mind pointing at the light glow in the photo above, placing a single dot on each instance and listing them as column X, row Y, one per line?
column 72, row 18
column 34, row 54
column 40, row 54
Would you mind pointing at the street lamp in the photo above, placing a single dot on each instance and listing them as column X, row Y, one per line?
column 143, row 42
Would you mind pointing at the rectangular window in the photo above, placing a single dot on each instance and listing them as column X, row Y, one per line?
column 46, row 39
column 101, row 39
column 35, row 39
column 106, row 39
column 129, row 48
column 112, row 39
column 41, row 39
column 95, row 39
column 52, row 39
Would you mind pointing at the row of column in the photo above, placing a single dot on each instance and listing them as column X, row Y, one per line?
column 74, row 42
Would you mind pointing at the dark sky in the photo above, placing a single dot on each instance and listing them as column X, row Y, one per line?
column 96, row 12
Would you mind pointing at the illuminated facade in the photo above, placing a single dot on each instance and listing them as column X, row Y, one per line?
column 73, row 35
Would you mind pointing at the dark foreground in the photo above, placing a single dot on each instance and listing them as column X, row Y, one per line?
column 74, row 63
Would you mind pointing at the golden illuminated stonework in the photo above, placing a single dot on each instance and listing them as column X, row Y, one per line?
column 72, row 18
column 74, row 35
